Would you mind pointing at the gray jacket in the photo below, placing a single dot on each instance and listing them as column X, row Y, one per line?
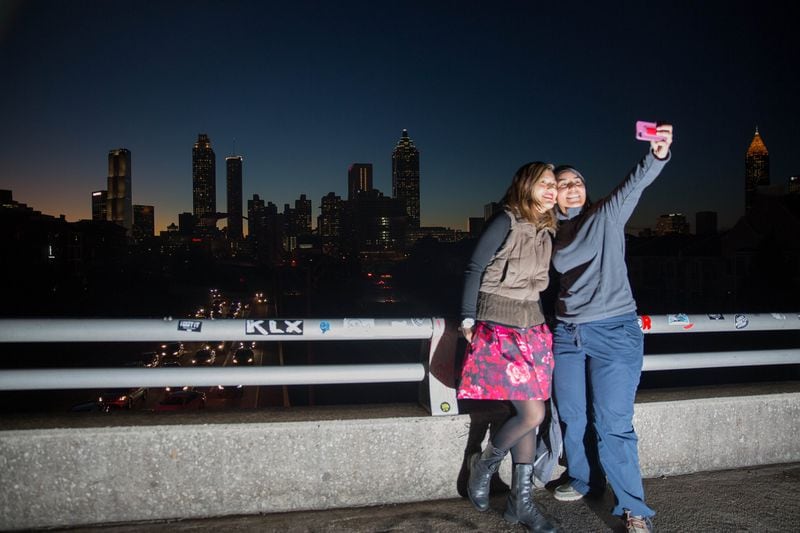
column 589, row 251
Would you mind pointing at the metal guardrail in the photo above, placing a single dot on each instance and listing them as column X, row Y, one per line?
column 694, row 360
column 88, row 378
column 199, row 329
column 438, row 372
column 718, row 322
column 430, row 330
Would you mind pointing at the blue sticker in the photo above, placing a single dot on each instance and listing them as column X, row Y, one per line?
column 325, row 326
column 680, row 318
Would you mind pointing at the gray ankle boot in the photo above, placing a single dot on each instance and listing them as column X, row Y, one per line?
column 482, row 467
column 521, row 508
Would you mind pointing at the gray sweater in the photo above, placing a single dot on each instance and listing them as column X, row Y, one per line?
column 589, row 251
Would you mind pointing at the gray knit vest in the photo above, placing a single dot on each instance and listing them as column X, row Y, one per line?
column 515, row 276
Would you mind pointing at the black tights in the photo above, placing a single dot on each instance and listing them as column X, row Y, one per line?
column 518, row 434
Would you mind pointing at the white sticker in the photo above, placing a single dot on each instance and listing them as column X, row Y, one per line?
column 273, row 327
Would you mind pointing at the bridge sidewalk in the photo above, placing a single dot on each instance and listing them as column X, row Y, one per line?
column 755, row 499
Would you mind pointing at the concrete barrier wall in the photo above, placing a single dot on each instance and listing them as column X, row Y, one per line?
column 79, row 476
column 684, row 436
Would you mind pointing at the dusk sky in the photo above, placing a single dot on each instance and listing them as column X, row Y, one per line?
column 304, row 89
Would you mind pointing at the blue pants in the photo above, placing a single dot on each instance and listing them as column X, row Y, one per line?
column 608, row 353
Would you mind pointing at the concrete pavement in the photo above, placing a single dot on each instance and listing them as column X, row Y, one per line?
column 755, row 499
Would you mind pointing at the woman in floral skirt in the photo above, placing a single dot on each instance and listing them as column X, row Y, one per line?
column 509, row 354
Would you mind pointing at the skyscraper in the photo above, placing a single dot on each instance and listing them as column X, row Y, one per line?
column 234, row 197
column 475, row 226
column 187, row 223
column 672, row 224
column 256, row 217
column 756, row 170
column 490, row 209
column 143, row 222
column 99, row 205
column 330, row 219
column 302, row 214
column 204, row 181
column 374, row 225
column 359, row 179
column 118, row 197
column 405, row 177
column 289, row 228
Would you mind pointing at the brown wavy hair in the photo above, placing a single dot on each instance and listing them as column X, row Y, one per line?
column 519, row 196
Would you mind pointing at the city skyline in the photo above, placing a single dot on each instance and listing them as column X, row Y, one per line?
column 306, row 90
column 363, row 172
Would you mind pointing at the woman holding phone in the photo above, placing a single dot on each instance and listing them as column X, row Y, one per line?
column 509, row 352
column 597, row 342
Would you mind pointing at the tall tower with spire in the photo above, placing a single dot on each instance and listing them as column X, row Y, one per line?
column 405, row 177
column 756, row 170
column 204, row 181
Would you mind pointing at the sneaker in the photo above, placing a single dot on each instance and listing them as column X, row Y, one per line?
column 567, row 493
column 637, row 524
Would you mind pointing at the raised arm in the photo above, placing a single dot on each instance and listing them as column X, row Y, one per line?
column 620, row 204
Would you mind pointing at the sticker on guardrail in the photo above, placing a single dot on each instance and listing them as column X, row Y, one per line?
column 324, row 326
column 645, row 322
column 716, row 316
column 740, row 321
column 778, row 316
column 445, row 407
column 359, row 323
column 418, row 322
column 190, row 325
column 680, row 319
column 273, row 327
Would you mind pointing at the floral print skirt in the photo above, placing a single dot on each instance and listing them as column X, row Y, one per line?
column 507, row 363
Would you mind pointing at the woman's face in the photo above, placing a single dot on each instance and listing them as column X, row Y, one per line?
column 571, row 191
column 544, row 191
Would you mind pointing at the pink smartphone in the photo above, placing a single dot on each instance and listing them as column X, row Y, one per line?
column 646, row 131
